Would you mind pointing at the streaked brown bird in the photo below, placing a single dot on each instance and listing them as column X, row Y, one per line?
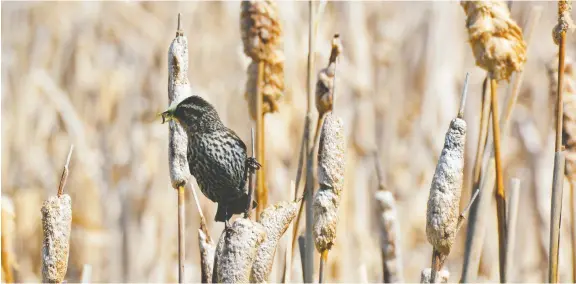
column 216, row 156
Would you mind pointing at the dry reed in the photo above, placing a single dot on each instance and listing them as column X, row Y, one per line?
column 86, row 273
column 512, row 220
column 568, row 131
column 56, row 225
column 239, row 251
column 499, row 48
column 262, row 39
column 442, row 218
column 559, row 35
column 275, row 220
column 178, row 90
column 7, row 233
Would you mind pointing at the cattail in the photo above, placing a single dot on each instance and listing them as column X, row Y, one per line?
column 56, row 223
column 325, row 83
column 331, row 165
column 426, row 276
column 443, row 203
column 262, row 38
column 207, row 252
column 565, row 22
column 390, row 237
column 495, row 38
column 275, row 220
column 178, row 90
column 239, row 252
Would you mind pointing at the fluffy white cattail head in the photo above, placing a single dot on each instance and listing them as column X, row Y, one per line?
column 565, row 22
column 331, row 159
column 443, row 202
column 56, row 224
column 239, row 252
column 495, row 38
column 207, row 250
column 331, row 164
column 178, row 90
column 275, row 219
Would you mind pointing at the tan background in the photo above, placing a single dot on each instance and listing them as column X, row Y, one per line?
column 95, row 74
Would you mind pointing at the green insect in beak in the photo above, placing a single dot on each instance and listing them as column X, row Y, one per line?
column 168, row 115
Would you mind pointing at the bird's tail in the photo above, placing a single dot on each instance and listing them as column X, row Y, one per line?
column 236, row 206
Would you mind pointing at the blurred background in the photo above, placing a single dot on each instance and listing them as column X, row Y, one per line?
column 94, row 74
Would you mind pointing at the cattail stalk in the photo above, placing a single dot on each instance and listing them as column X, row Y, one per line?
column 275, row 220
column 239, row 252
column 262, row 39
column 251, row 181
column 497, row 43
column 390, row 230
column 559, row 35
column 56, row 225
column 476, row 229
column 512, row 221
column 442, row 218
column 500, row 192
column 287, row 270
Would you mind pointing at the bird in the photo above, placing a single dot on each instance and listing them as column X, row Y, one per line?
column 217, row 157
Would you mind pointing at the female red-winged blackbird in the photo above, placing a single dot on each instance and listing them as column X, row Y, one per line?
column 216, row 156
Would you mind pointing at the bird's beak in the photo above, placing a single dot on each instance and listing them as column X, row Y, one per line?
column 167, row 115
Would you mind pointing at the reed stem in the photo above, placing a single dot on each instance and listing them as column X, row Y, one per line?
column 261, row 190
column 512, row 221
column 500, row 191
column 323, row 260
column 556, row 215
column 181, row 236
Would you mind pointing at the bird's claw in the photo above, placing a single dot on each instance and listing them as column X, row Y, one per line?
column 252, row 164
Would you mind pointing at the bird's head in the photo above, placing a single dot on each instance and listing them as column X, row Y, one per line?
column 194, row 114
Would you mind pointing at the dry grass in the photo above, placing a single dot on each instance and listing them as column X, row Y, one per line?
column 94, row 74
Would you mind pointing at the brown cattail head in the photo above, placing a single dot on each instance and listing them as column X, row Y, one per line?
column 262, row 38
column 331, row 159
column 178, row 90
column 426, row 276
column 240, row 247
column 495, row 38
column 390, row 237
column 56, row 224
column 443, row 202
column 325, row 83
column 275, row 220
column 565, row 22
